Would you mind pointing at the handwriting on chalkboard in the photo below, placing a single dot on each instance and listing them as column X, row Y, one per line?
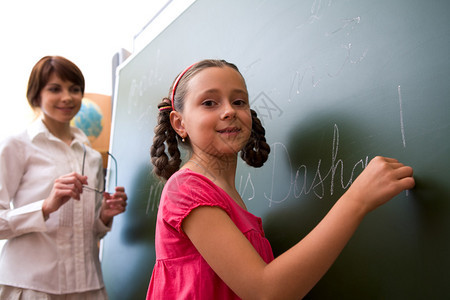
column 299, row 185
column 402, row 126
column 153, row 197
column 331, row 64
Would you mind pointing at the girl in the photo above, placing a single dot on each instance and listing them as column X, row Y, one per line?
column 50, row 211
column 208, row 246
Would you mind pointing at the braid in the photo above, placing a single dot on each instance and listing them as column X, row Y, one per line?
column 164, row 166
column 256, row 151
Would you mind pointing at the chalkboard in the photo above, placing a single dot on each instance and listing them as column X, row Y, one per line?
column 335, row 83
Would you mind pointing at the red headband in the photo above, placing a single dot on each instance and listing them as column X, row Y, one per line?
column 176, row 84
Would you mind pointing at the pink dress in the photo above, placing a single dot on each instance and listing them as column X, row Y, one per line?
column 180, row 272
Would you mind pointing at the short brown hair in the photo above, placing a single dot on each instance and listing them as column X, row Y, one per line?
column 44, row 68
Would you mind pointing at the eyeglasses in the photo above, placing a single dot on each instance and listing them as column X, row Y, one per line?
column 82, row 171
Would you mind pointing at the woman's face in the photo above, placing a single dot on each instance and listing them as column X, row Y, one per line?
column 216, row 115
column 60, row 100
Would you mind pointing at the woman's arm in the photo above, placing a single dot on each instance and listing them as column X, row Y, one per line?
column 64, row 188
column 16, row 221
column 112, row 205
column 293, row 274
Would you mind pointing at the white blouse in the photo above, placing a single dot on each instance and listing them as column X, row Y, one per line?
column 61, row 254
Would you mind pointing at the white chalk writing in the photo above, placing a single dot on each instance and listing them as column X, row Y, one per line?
column 298, row 184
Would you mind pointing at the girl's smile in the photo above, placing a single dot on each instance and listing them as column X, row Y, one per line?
column 231, row 131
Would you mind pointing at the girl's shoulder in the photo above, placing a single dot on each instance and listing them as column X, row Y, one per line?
column 188, row 188
column 187, row 175
column 187, row 180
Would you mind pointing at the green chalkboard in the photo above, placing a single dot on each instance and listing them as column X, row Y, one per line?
column 335, row 84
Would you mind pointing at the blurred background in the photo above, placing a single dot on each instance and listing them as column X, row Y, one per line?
column 88, row 32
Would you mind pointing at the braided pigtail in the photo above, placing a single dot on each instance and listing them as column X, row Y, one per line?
column 165, row 165
column 256, row 152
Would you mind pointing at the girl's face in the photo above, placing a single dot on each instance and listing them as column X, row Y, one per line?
column 216, row 115
column 60, row 100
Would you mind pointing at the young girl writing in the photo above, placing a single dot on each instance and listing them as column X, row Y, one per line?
column 53, row 178
column 208, row 246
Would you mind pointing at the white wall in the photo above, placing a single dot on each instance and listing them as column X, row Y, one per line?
column 87, row 32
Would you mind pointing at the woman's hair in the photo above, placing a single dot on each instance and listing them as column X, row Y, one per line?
column 254, row 153
column 44, row 68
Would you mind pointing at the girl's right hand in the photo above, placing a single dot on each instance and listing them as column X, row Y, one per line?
column 65, row 187
column 382, row 179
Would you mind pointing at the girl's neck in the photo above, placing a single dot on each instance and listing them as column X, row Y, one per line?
column 221, row 171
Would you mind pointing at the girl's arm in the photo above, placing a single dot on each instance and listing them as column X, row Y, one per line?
column 293, row 274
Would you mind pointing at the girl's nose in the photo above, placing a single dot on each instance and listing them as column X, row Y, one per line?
column 228, row 111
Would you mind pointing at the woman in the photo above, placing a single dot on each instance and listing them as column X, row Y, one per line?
column 50, row 212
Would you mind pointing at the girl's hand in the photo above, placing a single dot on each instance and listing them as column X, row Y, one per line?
column 382, row 179
column 65, row 187
column 113, row 204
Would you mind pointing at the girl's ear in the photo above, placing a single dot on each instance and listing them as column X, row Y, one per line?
column 176, row 120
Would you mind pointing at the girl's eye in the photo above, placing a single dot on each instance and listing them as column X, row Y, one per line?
column 240, row 102
column 208, row 103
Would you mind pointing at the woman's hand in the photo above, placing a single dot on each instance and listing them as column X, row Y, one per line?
column 113, row 204
column 65, row 187
column 382, row 179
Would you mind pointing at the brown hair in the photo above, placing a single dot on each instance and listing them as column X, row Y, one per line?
column 44, row 68
column 254, row 153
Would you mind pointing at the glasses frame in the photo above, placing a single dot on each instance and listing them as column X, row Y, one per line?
column 82, row 172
